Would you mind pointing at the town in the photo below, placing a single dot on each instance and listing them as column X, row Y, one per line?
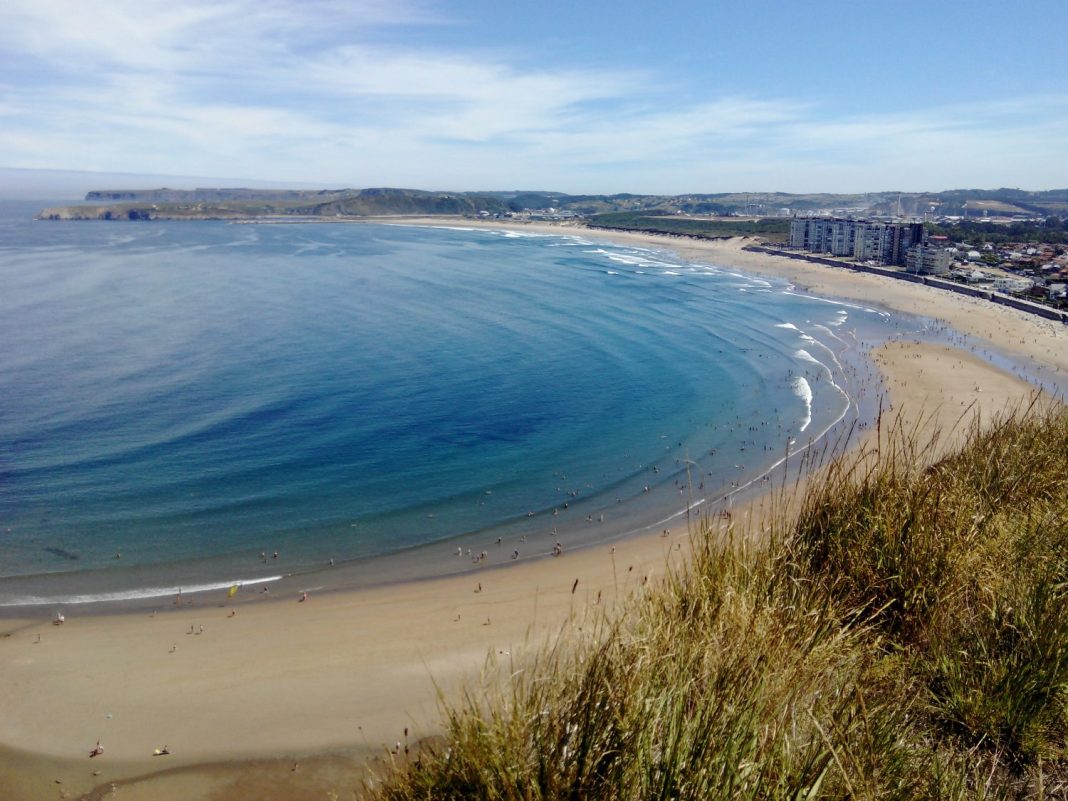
column 1032, row 274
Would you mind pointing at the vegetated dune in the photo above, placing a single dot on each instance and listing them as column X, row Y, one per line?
column 905, row 635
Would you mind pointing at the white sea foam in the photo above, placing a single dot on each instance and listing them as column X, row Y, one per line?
column 632, row 260
column 790, row 326
column 831, row 334
column 804, row 392
column 680, row 513
column 638, row 261
column 808, row 357
column 130, row 595
column 789, row 291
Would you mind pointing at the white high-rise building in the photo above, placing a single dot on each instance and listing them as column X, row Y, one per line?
column 884, row 243
column 927, row 260
column 843, row 237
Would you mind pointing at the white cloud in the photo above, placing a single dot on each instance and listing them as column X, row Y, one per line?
column 269, row 89
column 160, row 35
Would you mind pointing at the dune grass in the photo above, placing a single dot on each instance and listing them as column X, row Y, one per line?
column 904, row 635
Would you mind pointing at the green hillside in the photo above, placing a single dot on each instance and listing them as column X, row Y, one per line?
column 904, row 637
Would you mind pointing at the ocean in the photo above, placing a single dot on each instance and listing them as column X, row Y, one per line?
column 180, row 401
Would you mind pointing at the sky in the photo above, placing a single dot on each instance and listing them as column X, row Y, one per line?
column 584, row 97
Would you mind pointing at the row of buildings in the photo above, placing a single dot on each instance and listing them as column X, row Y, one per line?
column 887, row 243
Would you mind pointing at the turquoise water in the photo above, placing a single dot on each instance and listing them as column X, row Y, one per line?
column 178, row 398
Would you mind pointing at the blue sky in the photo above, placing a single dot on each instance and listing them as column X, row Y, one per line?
column 596, row 96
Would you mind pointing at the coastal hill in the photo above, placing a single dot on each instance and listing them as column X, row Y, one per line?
column 244, row 203
column 905, row 635
column 205, row 204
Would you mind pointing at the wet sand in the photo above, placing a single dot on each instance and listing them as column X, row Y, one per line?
column 287, row 699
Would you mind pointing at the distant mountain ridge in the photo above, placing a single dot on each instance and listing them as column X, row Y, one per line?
column 241, row 202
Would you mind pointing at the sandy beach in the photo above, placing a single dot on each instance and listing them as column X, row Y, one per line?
column 289, row 698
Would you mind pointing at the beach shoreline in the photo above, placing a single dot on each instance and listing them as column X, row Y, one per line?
column 972, row 316
column 356, row 672
column 619, row 510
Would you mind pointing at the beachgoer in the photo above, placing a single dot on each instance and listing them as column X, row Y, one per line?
column 98, row 749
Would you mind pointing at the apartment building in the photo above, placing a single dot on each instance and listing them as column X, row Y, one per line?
column 925, row 260
column 884, row 243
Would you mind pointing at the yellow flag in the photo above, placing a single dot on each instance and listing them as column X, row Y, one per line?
column 232, row 592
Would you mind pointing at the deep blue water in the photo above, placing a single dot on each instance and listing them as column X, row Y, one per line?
column 189, row 395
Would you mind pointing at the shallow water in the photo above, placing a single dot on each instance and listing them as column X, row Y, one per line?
column 179, row 398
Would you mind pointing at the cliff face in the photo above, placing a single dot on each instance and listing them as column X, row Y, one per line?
column 213, row 195
column 95, row 213
column 200, row 204
column 134, row 211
